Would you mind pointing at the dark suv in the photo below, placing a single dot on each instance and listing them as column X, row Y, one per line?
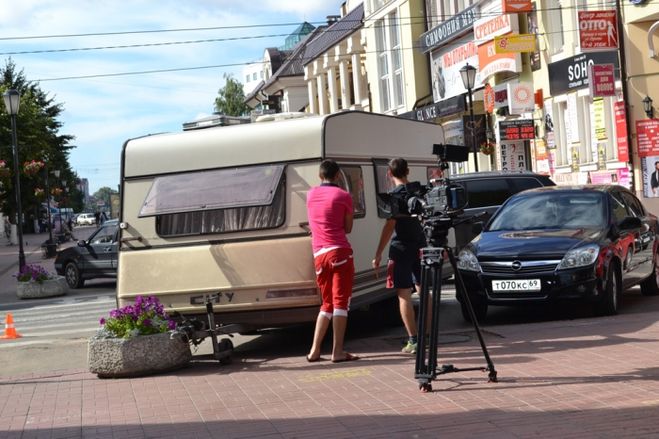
column 486, row 191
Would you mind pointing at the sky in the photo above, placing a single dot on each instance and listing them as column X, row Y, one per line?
column 59, row 44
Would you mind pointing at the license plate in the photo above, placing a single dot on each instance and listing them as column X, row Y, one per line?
column 520, row 285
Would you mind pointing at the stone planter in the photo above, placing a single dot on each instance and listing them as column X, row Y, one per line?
column 48, row 288
column 142, row 355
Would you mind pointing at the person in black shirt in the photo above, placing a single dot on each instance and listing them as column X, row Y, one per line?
column 404, row 266
column 654, row 180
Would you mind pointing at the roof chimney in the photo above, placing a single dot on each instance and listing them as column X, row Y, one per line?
column 331, row 19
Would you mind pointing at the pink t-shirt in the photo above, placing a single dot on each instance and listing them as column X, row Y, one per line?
column 327, row 206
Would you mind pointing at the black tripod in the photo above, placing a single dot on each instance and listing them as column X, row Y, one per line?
column 432, row 260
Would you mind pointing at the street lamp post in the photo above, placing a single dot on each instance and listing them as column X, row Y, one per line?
column 12, row 100
column 468, row 73
column 50, row 245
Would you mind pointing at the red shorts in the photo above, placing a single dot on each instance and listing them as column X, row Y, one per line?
column 335, row 272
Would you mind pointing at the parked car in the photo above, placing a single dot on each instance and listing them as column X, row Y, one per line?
column 92, row 258
column 85, row 219
column 486, row 192
column 549, row 244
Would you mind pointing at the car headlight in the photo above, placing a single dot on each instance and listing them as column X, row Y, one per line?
column 467, row 261
column 579, row 257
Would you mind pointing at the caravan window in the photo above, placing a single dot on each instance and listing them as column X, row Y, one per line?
column 219, row 201
column 383, row 185
column 352, row 181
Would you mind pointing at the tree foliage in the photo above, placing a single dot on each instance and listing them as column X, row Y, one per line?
column 104, row 194
column 38, row 138
column 230, row 99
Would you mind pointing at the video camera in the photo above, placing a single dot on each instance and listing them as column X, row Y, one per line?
column 438, row 202
column 440, row 196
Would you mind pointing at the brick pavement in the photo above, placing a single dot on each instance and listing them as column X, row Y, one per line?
column 586, row 378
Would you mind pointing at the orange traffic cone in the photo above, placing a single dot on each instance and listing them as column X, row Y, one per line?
column 10, row 331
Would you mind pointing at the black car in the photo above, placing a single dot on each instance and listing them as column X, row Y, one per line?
column 486, row 192
column 553, row 243
column 91, row 258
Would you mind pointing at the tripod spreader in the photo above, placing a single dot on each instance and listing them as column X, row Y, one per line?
column 432, row 260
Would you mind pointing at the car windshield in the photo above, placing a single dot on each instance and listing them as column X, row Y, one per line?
column 551, row 210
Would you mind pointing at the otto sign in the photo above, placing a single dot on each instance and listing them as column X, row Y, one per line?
column 598, row 30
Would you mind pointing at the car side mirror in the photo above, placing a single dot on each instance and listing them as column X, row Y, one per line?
column 477, row 228
column 630, row 223
column 82, row 243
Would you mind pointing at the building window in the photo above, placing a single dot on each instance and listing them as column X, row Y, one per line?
column 373, row 5
column 390, row 64
column 246, row 78
column 553, row 19
column 254, row 76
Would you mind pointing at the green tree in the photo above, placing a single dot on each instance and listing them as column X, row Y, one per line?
column 104, row 194
column 39, row 139
column 231, row 98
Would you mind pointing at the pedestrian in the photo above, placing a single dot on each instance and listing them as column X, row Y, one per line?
column 404, row 264
column 330, row 213
column 97, row 218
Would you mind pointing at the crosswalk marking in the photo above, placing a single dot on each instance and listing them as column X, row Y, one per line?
column 68, row 320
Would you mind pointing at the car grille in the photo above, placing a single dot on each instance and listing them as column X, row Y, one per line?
column 506, row 267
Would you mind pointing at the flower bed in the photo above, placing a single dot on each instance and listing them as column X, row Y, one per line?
column 34, row 282
column 136, row 340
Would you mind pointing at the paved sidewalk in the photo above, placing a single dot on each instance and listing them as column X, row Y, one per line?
column 586, row 378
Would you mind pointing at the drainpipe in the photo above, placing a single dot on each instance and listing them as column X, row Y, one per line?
column 625, row 90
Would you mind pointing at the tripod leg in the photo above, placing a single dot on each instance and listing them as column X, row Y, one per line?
column 436, row 272
column 461, row 288
column 422, row 369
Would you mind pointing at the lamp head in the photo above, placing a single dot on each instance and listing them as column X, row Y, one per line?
column 468, row 73
column 12, row 101
column 647, row 107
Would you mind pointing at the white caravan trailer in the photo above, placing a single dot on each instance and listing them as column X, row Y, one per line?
column 219, row 214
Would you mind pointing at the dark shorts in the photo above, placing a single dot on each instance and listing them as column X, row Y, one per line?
column 403, row 268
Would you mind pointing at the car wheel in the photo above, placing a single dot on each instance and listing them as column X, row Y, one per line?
column 72, row 275
column 650, row 286
column 479, row 306
column 609, row 303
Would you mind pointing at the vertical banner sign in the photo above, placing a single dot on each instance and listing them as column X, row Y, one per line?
column 601, row 80
column 598, row 30
column 513, row 156
column 599, row 119
column 571, row 119
column 647, row 136
column 621, row 131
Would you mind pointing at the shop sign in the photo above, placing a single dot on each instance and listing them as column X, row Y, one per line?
column 449, row 29
column 516, row 129
column 621, row 131
column 647, row 136
column 487, row 28
column 514, row 43
column 598, row 30
column 516, row 6
column 520, row 98
column 488, row 98
column 446, row 64
column 599, row 124
column 513, row 156
column 601, row 80
column 491, row 62
column 444, row 108
column 501, row 95
column 572, row 73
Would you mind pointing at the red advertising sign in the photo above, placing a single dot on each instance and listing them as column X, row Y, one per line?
column 488, row 98
column 601, row 80
column 621, row 131
column 647, row 135
column 516, row 6
column 598, row 30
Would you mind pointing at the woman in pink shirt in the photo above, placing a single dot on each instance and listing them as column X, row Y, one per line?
column 330, row 213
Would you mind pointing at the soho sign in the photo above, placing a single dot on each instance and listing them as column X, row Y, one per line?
column 572, row 73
